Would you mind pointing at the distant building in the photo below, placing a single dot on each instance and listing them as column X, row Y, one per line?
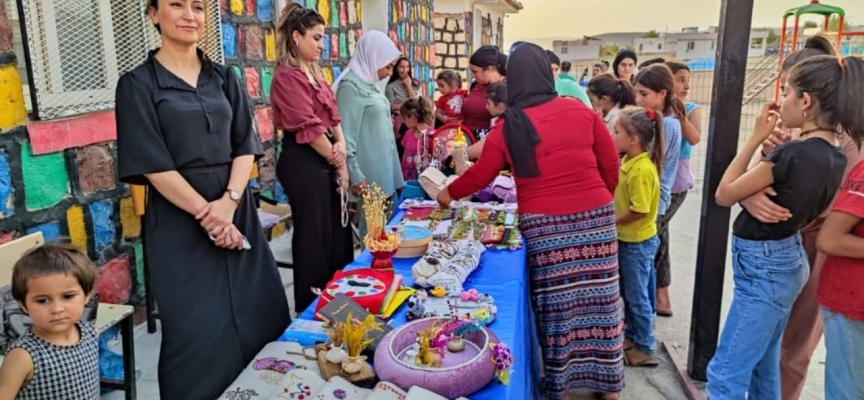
column 696, row 46
column 587, row 48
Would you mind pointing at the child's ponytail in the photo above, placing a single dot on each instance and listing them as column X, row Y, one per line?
column 647, row 124
column 850, row 113
column 835, row 84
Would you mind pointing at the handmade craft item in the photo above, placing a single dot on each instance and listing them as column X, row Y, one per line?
column 271, row 370
column 444, row 265
column 338, row 388
column 372, row 289
column 481, row 308
column 381, row 243
column 356, row 337
column 414, row 241
column 459, row 374
column 337, row 353
column 364, row 378
column 433, row 181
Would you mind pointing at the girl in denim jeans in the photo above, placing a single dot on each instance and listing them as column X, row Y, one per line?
column 841, row 291
column 637, row 199
column 770, row 265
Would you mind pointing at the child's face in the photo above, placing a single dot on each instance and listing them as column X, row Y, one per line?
column 410, row 121
column 54, row 302
column 495, row 109
column 648, row 98
column 444, row 87
column 682, row 84
column 623, row 140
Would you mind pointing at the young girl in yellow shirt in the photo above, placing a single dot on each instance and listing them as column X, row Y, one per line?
column 637, row 200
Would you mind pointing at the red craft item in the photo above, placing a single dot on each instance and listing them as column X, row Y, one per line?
column 370, row 288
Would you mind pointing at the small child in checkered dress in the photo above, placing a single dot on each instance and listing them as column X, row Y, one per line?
column 58, row 358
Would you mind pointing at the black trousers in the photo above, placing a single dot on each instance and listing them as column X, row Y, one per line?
column 321, row 244
column 662, row 263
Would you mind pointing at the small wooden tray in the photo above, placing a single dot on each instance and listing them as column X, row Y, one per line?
column 365, row 378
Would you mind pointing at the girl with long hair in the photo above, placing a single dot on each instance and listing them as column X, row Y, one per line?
column 609, row 95
column 312, row 165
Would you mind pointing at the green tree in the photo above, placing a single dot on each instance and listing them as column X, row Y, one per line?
column 607, row 52
column 834, row 24
column 773, row 38
column 810, row 24
column 651, row 34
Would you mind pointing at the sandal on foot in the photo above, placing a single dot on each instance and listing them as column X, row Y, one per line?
column 636, row 358
column 607, row 396
column 664, row 313
column 628, row 345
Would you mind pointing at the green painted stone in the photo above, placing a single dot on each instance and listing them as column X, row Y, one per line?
column 46, row 181
column 237, row 71
column 266, row 79
column 139, row 269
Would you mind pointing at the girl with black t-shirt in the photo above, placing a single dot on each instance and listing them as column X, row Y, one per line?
column 823, row 95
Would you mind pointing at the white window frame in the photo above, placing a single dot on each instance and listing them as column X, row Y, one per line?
column 58, row 96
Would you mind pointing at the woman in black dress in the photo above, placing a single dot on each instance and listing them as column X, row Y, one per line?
column 312, row 165
column 184, row 128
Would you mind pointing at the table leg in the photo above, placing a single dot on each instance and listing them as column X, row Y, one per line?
column 127, row 330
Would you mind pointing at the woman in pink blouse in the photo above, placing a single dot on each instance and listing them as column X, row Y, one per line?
column 312, row 165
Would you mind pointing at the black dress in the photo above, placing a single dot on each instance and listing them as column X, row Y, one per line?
column 218, row 307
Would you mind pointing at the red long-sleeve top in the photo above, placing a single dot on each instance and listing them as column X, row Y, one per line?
column 576, row 156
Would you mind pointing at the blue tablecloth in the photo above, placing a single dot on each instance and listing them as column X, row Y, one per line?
column 503, row 274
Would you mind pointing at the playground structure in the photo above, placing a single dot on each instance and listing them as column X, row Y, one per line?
column 814, row 8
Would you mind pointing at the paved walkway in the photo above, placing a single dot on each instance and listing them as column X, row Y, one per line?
column 643, row 384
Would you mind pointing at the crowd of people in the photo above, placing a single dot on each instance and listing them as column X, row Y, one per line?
column 600, row 174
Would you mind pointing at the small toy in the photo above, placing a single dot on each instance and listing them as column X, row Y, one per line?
column 469, row 295
column 438, row 291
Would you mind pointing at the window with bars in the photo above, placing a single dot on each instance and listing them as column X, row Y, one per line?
column 77, row 49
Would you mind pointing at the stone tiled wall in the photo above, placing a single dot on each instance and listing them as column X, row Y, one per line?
column 453, row 43
column 249, row 43
column 411, row 29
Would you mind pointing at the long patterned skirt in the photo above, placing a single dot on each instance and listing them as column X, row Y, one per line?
column 573, row 263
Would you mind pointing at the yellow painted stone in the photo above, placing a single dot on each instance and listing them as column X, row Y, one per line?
column 324, row 10
column 270, row 44
column 278, row 230
column 129, row 219
column 359, row 8
column 138, row 195
column 254, row 173
column 12, row 111
column 237, row 7
column 328, row 74
column 77, row 230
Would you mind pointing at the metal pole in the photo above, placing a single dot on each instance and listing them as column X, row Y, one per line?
column 734, row 43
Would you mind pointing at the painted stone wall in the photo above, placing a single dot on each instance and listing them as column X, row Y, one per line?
column 411, row 28
column 453, row 43
column 249, row 43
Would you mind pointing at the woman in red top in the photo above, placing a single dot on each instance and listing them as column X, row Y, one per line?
column 312, row 165
column 566, row 169
column 488, row 65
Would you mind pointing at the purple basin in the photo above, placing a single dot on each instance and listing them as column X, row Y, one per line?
column 461, row 374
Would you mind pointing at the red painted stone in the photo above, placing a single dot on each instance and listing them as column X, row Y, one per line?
column 223, row 6
column 253, row 82
column 254, row 43
column 6, row 237
column 95, row 169
column 267, row 165
column 58, row 135
column 114, row 283
column 264, row 120
column 250, row 7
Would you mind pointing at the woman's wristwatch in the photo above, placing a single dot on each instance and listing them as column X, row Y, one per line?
column 234, row 195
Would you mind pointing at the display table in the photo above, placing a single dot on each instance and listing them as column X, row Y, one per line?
column 502, row 274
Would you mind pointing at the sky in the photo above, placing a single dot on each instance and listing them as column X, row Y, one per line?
column 561, row 18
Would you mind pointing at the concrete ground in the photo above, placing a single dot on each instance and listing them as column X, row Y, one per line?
column 643, row 384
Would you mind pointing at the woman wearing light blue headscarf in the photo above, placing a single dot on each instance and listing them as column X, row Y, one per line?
column 366, row 124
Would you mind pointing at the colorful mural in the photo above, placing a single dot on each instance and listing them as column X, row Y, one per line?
column 342, row 31
column 486, row 30
column 411, row 28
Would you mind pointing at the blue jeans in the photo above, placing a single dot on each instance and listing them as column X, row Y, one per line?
column 844, row 364
column 636, row 263
column 768, row 277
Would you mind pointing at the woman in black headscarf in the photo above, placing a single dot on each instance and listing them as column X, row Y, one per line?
column 566, row 169
column 624, row 66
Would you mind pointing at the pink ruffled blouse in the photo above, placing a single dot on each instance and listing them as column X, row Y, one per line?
column 303, row 108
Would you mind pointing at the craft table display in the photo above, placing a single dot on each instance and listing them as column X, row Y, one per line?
column 503, row 275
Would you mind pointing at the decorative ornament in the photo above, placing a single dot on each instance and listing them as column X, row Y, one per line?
column 503, row 359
